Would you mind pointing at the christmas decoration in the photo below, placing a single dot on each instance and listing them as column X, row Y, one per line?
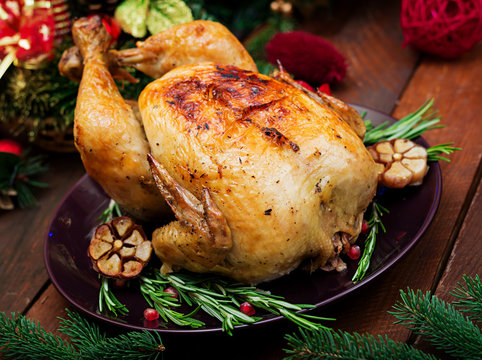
column 136, row 17
column 447, row 28
column 16, row 172
column 307, row 57
column 29, row 30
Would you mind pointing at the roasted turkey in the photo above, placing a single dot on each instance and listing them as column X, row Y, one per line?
column 260, row 175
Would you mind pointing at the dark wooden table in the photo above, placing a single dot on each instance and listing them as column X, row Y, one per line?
column 381, row 75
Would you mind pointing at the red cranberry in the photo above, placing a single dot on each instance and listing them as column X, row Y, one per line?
column 151, row 314
column 364, row 227
column 172, row 291
column 354, row 252
column 305, row 85
column 247, row 309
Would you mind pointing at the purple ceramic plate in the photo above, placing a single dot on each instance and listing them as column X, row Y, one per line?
column 65, row 251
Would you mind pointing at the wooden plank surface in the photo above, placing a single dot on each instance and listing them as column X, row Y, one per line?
column 467, row 250
column 368, row 34
column 22, row 235
column 457, row 98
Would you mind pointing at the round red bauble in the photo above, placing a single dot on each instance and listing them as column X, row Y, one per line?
column 447, row 28
column 10, row 146
column 307, row 57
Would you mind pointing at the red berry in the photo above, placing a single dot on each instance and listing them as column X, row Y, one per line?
column 354, row 252
column 172, row 291
column 364, row 227
column 247, row 309
column 10, row 146
column 325, row 88
column 305, row 84
column 151, row 314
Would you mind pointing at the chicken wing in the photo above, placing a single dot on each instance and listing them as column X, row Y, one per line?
column 188, row 43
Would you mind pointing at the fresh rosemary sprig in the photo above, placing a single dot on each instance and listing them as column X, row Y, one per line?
column 331, row 344
column 449, row 330
column 375, row 224
column 107, row 297
column 113, row 210
column 470, row 297
column 434, row 152
column 220, row 299
column 21, row 338
column 153, row 292
column 409, row 127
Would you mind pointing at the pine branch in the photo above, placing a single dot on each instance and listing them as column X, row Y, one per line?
column 331, row 344
column 131, row 346
column 375, row 224
column 470, row 298
column 21, row 338
column 93, row 344
column 82, row 333
column 445, row 327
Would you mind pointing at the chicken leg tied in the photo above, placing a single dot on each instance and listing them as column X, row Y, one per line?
column 108, row 134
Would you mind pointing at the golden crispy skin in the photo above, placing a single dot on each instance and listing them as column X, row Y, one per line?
column 194, row 42
column 286, row 172
column 107, row 132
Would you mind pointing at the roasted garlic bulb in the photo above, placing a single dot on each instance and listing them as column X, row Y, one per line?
column 119, row 248
column 401, row 162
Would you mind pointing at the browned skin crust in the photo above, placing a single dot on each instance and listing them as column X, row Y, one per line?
column 286, row 172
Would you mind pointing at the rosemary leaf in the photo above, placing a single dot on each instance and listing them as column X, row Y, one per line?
column 375, row 224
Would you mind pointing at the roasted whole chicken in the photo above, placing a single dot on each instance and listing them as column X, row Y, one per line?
column 260, row 175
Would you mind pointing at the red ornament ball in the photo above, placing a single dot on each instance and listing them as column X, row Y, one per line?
column 307, row 57
column 447, row 28
column 10, row 146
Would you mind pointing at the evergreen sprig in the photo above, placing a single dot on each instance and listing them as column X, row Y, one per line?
column 446, row 328
column 375, row 224
column 470, row 297
column 219, row 298
column 96, row 345
column 21, row 338
column 18, row 173
column 429, row 316
column 332, row 344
